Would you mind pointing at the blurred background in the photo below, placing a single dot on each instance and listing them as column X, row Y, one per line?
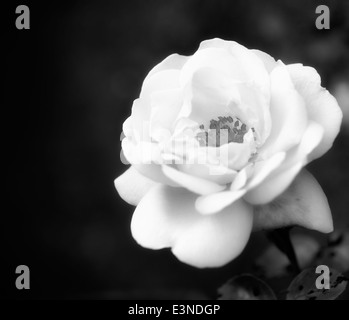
column 69, row 84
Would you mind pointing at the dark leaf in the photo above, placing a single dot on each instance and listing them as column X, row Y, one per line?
column 303, row 287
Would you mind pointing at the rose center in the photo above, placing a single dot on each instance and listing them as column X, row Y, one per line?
column 222, row 131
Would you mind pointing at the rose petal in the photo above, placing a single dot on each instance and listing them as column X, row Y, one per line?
column 303, row 204
column 282, row 175
column 268, row 60
column 255, row 110
column 238, row 61
column 140, row 120
column 216, row 73
column 288, row 112
column 142, row 152
column 216, row 59
column 208, row 95
column 145, row 158
column 241, row 178
column 163, row 80
column 174, row 61
column 262, row 169
column 321, row 106
column 132, row 186
column 166, row 217
column 216, row 202
column 232, row 155
column 165, row 108
column 127, row 127
column 217, row 174
column 273, row 186
column 192, row 183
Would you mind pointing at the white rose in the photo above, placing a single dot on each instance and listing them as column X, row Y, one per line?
column 203, row 197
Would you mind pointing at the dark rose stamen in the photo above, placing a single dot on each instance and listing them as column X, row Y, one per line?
column 224, row 130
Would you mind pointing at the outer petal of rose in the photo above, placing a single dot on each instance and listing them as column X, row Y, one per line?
column 192, row 183
column 155, row 91
column 142, row 152
column 174, row 61
column 288, row 112
column 268, row 60
column 137, row 125
column 213, row 58
column 132, row 186
column 127, row 128
column 163, row 80
column 321, row 106
column 145, row 158
column 163, row 76
column 166, row 217
column 141, row 109
column 166, row 105
column 303, row 204
column 278, row 179
column 243, row 64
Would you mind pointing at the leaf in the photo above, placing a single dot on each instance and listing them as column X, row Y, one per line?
column 246, row 287
column 303, row 287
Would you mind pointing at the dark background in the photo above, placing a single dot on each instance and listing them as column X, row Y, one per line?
column 69, row 84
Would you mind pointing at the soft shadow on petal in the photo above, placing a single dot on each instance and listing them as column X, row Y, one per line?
column 166, row 217
column 132, row 186
column 321, row 106
column 303, row 204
